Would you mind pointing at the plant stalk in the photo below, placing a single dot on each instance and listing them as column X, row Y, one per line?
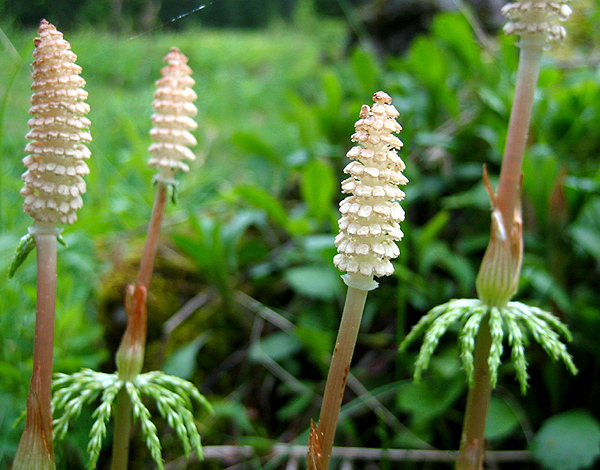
column 472, row 442
column 37, row 436
column 122, row 432
column 134, row 340
column 153, row 236
column 338, row 370
column 508, row 203
column 507, row 192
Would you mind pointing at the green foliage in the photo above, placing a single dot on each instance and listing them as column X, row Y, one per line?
column 568, row 441
column 519, row 321
column 174, row 399
column 25, row 246
column 501, row 421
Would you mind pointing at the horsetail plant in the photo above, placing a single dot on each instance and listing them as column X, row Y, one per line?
column 52, row 190
column 369, row 227
column 487, row 320
column 123, row 390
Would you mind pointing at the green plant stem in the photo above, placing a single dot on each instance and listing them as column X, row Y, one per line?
column 123, row 409
column 122, row 432
column 38, row 426
column 338, row 370
column 507, row 192
column 472, row 442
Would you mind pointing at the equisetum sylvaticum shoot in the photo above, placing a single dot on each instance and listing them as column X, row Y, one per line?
column 53, row 185
column 174, row 397
column 369, row 228
column 171, row 124
column 485, row 321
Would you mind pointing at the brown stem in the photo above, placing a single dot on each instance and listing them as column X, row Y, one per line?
column 472, row 442
column 152, row 238
column 338, row 371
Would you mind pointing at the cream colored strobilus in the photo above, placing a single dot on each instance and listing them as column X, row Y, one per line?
column 59, row 130
column 52, row 190
column 369, row 229
column 171, row 125
column 174, row 105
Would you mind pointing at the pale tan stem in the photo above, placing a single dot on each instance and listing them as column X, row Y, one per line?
column 507, row 192
column 153, row 236
column 338, row 370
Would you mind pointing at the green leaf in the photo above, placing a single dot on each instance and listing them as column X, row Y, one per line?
column 429, row 398
column 318, row 187
column 454, row 29
column 25, row 246
column 182, row 363
column 501, row 421
column 432, row 230
column 333, row 91
column 296, row 406
column 261, row 199
column 320, row 282
column 251, row 143
column 427, row 61
column 586, row 230
column 367, row 70
column 278, row 346
column 569, row 441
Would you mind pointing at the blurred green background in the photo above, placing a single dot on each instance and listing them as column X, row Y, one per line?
column 245, row 301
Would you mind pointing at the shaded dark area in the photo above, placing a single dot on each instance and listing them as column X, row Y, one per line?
column 392, row 24
column 138, row 15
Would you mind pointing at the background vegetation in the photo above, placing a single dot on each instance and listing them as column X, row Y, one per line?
column 246, row 301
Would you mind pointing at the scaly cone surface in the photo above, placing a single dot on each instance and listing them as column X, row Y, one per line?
column 59, row 131
column 369, row 226
column 172, row 122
